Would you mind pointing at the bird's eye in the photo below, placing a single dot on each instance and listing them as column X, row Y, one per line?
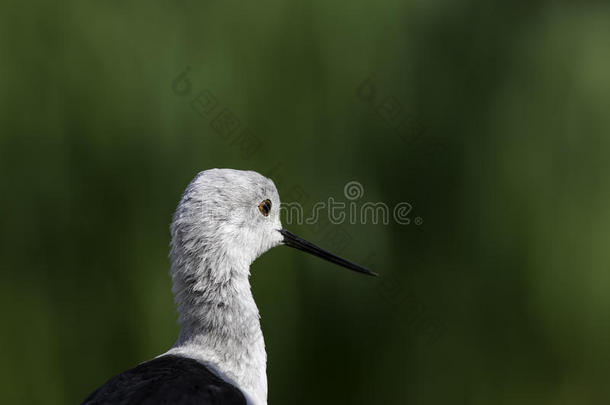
column 264, row 207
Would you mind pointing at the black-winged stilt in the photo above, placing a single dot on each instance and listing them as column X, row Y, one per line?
column 224, row 221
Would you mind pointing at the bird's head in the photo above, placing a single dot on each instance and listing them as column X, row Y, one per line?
column 227, row 218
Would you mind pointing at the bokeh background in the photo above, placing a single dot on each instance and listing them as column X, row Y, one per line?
column 490, row 118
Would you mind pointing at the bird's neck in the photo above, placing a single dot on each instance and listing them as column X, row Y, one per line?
column 221, row 327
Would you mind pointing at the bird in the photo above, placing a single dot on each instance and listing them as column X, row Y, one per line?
column 225, row 219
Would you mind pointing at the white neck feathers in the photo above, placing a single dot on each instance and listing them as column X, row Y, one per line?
column 220, row 324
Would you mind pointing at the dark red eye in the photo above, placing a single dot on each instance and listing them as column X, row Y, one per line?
column 264, row 207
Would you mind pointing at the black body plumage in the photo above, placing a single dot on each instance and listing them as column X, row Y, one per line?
column 167, row 380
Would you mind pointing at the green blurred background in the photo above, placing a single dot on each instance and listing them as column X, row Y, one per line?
column 490, row 118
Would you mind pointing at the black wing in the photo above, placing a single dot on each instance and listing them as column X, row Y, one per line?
column 167, row 380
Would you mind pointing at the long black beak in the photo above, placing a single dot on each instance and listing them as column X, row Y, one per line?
column 290, row 239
